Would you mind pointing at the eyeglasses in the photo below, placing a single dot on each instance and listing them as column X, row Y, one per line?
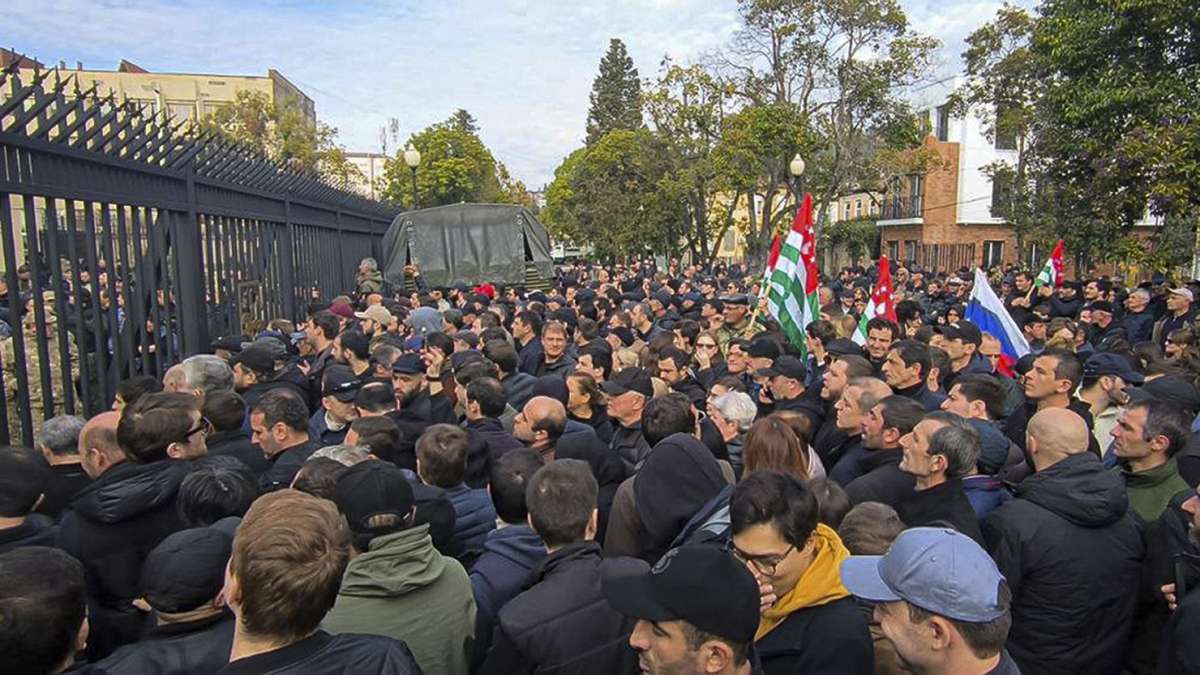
column 764, row 563
column 202, row 425
column 705, row 345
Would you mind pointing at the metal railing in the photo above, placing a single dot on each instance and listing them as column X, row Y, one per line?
column 134, row 239
column 896, row 207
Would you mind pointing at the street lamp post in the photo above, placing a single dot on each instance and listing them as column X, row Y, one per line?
column 412, row 157
column 796, row 167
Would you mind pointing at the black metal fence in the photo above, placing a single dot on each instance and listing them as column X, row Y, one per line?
column 129, row 240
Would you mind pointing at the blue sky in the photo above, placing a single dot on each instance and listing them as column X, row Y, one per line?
column 524, row 69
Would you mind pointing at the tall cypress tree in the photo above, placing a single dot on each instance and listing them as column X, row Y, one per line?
column 616, row 94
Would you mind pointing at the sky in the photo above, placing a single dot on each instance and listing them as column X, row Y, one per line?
column 523, row 69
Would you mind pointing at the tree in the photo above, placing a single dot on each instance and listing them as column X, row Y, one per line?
column 455, row 167
column 281, row 132
column 616, row 94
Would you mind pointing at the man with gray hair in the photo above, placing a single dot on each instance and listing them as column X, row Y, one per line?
column 369, row 279
column 1138, row 321
column 938, row 452
column 60, row 446
column 732, row 413
column 204, row 374
column 346, row 455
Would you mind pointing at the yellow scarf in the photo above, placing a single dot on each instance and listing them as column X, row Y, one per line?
column 821, row 583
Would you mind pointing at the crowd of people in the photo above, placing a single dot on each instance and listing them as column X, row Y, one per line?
column 632, row 471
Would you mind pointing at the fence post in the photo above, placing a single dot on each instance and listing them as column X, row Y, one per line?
column 286, row 270
column 193, row 311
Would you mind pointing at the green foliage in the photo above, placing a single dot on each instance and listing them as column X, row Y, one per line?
column 455, row 167
column 616, row 94
column 282, row 132
column 859, row 237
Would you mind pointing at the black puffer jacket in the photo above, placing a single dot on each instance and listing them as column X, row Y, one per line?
column 192, row 647
column 112, row 526
column 1071, row 549
column 562, row 623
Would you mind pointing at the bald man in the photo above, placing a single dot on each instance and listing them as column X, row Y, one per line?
column 1070, row 547
column 98, row 449
column 540, row 424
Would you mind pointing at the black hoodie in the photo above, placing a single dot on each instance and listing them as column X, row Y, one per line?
column 1071, row 549
column 678, row 477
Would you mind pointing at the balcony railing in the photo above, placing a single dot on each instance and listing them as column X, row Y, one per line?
column 897, row 207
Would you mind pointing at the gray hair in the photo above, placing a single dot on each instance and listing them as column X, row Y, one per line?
column 208, row 373
column 1142, row 292
column 957, row 441
column 347, row 455
column 61, row 434
column 369, row 263
column 738, row 408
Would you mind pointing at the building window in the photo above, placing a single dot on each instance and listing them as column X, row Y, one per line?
column 181, row 111
column 916, row 186
column 943, row 123
column 894, row 250
column 993, row 253
column 910, row 251
column 1001, row 194
column 1006, row 137
column 858, row 208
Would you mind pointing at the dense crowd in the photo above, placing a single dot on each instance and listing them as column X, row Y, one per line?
column 632, row 470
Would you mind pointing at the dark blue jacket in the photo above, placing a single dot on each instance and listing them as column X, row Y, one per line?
column 498, row 576
column 985, row 493
column 474, row 516
column 518, row 388
column 318, row 430
column 529, row 356
column 1138, row 326
column 486, row 441
column 37, row 530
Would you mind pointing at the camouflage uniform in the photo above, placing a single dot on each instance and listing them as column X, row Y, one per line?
column 33, row 370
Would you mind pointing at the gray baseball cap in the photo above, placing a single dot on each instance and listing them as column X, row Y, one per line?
column 937, row 569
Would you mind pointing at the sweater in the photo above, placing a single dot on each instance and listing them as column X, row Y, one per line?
column 1150, row 490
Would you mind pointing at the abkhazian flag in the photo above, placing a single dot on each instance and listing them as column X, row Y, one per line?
column 776, row 246
column 882, row 302
column 792, row 287
column 1052, row 273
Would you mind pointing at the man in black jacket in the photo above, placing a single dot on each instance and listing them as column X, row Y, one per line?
column 939, row 451
column 809, row 627
column 562, row 623
column 120, row 517
column 787, row 377
column 628, row 392
column 883, row 426
column 1180, row 651
column 182, row 580
column 23, row 480
column 906, row 369
column 417, row 407
column 1070, row 547
column 1050, row 383
column 59, row 444
column 486, row 438
column 227, row 412
column 279, row 426
column 289, row 554
column 674, row 369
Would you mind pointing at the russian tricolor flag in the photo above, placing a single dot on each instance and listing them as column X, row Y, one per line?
column 985, row 310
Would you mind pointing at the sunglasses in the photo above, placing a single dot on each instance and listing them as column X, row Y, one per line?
column 202, row 425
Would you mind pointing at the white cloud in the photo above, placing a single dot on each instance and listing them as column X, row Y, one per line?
column 524, row 69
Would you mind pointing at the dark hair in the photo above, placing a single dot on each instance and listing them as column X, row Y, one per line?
column 832, row 500
column 880, row 323
column 561, row 498
column 957, row 441
column 731, row 383
column 131, row 389
column 510, row 475
column 442, row 453
column 822, row 331
column 43, row 607
column 778, row 499
column 154, row 422
column 381, row 434
column 503, row 354
column 209, row 494
column 441, row 341
column 328, row 323
column 771, row 444
column 375, row 397
column 453, row 317
column 1066, row 366
column 23, row 478
column 910, row 352
column 531, row 319
column 358, row 344
column 870, row 528
column 318, row 477
column 1165, row 419
column 475, row 369
column 225, row 409
column 489, row 394
column 986, row 388
column 282, row 405
column 676, row 356
column 666, row 415
column 985, row 639
column 901, row 413
column 856, row 365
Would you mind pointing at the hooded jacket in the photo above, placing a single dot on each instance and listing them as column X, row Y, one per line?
column 401, row 587
column 1071, row 548
column 817, row 627
column 112, row 526
column 37, row 530
column 678, row 477
column 562, row 623
column 474, row 516
column 497, row 576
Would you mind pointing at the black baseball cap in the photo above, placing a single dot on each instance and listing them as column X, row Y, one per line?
column 764, row 348
column 1108, row 363
column 340, row 382
column 702, row 585
column 629, row 379
column 257, row 357
column 963, row 330
column 230, row 343
column 186, row 570
column 373, row 488
column 409, row 364
column 787, row 366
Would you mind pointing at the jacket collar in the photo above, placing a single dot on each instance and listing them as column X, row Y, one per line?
column 276, row 659
column 563, row 557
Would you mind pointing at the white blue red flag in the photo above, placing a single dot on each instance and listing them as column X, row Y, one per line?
column 986, row 311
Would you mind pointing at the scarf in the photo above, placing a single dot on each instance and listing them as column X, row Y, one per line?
column 820, row 584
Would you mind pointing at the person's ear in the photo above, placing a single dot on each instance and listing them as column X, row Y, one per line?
column 232, row 592
column 976, row 408
column 589, row 532
column 81, row 638
column 173, row 451
column 940, row 635
column 717, row 657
